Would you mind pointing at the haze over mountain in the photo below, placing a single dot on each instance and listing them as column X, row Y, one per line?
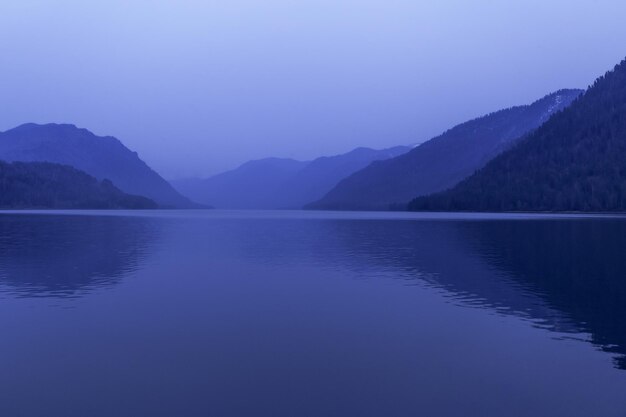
column 102, row 157
column 574, row 162
column 45, row 185
column 275, row 183
column 254, row 184
column 197, row 87
column 443, row 161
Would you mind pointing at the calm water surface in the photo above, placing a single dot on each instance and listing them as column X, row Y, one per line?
column 210, row 313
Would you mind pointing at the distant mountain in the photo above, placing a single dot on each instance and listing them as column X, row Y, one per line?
column 442, row 162
column 103, row 157
column 45, row 185
column 275, row 183
column 574, row 162
column 254, row 185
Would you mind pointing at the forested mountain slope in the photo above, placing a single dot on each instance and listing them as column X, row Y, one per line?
column 102, row 157
column 574, row 162
column 44, row 185
column 442, row 162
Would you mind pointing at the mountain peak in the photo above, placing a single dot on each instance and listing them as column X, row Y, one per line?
column 443, row 161
column 280, row 183
column 557, row 101
column 45, row 126
column 574, row 162
column 103, row 157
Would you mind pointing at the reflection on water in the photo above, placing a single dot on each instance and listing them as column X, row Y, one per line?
column 564, row 275
column 68, row 256
column 578, row 268
column 231, row 314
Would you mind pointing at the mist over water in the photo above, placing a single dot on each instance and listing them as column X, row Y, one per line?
column 169, row 172
column 199, row 87
column 309, row 314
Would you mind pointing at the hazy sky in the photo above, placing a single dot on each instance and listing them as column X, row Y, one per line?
column 200, row 86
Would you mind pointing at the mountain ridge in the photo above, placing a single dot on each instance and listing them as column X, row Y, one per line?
column 280, row 183
column 104, row 157
column 571, row 163
column 46, row 185
column 443, row 161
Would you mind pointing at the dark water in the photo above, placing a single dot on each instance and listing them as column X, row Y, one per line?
column 311, row 314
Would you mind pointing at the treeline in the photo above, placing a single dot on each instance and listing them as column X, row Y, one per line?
column 44, row 185
column 574, row 162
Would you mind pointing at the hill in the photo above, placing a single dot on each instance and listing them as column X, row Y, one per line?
column 44, row 185
column 442, row 162
column 102, row 157
column 275, row 183
column 253, row 185
column 574, row 162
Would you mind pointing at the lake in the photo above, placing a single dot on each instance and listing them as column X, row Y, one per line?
column 218, row 313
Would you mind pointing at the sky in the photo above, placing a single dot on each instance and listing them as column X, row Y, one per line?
column 199, row 86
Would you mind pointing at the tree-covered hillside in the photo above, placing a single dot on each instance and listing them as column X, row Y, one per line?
column 44, row 185
column 441, row 162
column 102, row 157
column 574, row 162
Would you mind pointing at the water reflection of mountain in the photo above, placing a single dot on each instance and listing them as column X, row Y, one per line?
column 578, row 267
column 66, row 256
column 436, row 252
column 565, row 275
